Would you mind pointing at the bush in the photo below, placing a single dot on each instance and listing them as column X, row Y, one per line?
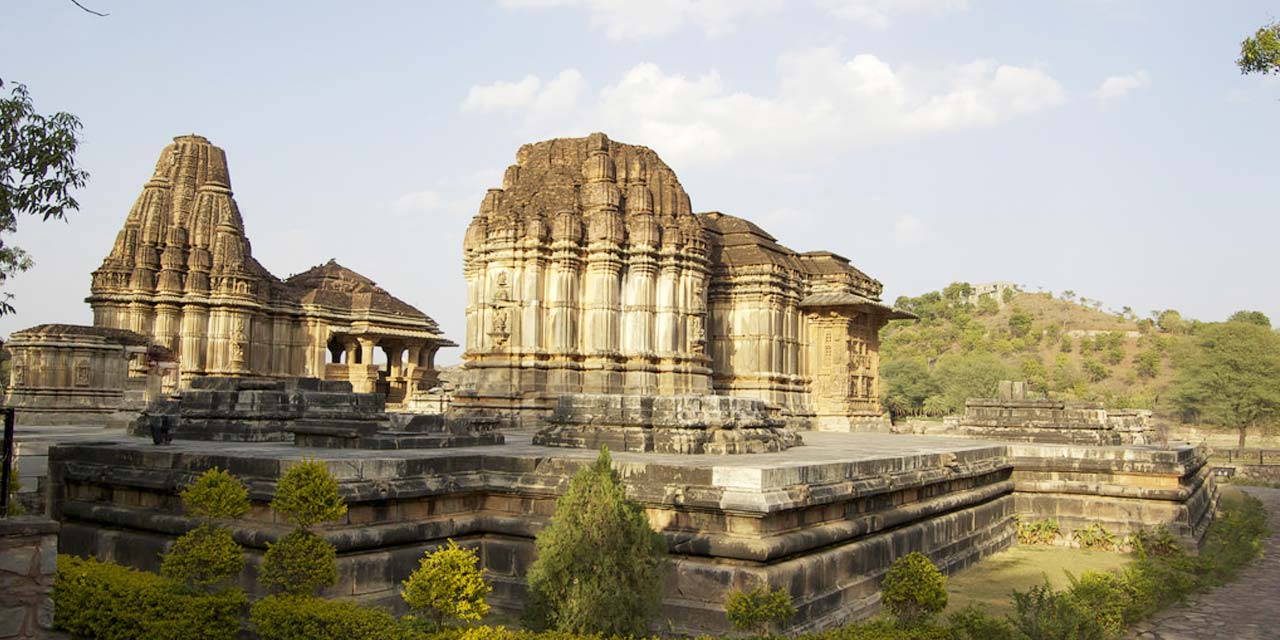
column 970, row 623
column 216, row 494
column 914, row 590
column 297, row 617
column 1095, row 536
column 308, row 494
column 1038, row 532
column 448, row 584
column 1103, row 596
column 1044, row 614
column 885, row 630
column 299, row 563
column 101, row 600
column 757, row 609
column 600, row 565
column 203, row 558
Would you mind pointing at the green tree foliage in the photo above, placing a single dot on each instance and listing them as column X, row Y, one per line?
column 1252, row 317
column 299, row 564
column 1094, row 370
column 204, row 557
column 1231, row 379
column 756, row 610
column 1170, row 321
column 216, row 494
column 1260, row 53
column 907, row 384
column 208, row 556
column 600, row 565
column 987, row 306
column 913, row 590
column 448, row 583
column 37, row 172
column 302, row 562
column 308, row 494
column 1020, row 323
column 975, row 375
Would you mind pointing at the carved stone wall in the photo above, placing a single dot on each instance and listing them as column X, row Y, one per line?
column 588, row 273
column 182, row 273
column 68, row 374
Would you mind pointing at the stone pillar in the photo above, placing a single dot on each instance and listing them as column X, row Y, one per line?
column 415, row 352
column 366, row 350
column 28, row 558
column 350, row 345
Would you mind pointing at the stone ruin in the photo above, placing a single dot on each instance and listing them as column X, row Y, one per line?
column 1020, row 415
column 601, row 310
column 306, row 412
column 666, row 424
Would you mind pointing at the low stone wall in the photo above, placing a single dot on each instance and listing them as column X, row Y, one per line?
column 28, row 558
column 1122, row 488
column 823, row 521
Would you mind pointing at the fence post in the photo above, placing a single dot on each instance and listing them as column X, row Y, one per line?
column 7, row 470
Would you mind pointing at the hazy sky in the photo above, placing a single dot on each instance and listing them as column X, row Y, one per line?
column 1105, row 146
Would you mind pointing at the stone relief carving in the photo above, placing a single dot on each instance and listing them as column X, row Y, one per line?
column 82, row 375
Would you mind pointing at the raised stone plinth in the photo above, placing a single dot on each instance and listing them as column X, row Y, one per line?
column 1048, row 421
column 666, row 424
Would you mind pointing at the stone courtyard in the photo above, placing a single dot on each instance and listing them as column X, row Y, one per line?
column 736, row 380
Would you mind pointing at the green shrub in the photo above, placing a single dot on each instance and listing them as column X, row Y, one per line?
column 1158, row 542
column 448, row 584
column 299, row 563
column 757, row 609
column 1095, row 536
column 1038, row 532
column 600, row 565
column 1103, row 595
column 203, row 558
column 308, row 494
column 298, row 617
column 885, row 630
column 971, row 623
column 216, row 494
column 1044, row 614
column 109, row 602
column 913, row 589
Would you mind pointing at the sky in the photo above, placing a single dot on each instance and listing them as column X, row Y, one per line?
column 1108, row 147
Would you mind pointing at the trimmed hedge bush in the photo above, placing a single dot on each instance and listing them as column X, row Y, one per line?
column 304, row 617
column 109, row 602
column 914, row 590
column 299, row 563
column 448, row 583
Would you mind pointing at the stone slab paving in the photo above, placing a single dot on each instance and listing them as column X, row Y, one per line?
column 1247, row 609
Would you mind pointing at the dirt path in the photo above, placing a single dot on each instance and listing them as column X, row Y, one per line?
column 1246, row 609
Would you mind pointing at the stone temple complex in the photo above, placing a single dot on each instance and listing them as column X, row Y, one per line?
column 735, row 379
column 589, row 272
column 182, row 272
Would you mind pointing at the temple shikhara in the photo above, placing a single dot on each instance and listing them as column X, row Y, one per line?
column 735, row 379
column 182, row 273
column 589, row 272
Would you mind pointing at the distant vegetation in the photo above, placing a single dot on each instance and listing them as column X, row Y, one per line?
column 1069, row 348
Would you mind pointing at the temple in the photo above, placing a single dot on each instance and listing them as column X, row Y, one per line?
column 182, row 273
column 589, row 272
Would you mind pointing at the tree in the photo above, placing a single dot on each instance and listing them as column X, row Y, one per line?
column 1170, row 321
column 302, row 561
column 1019, row 323
column 37, row 173
column 448, row 584
column 913, row 589
column 600, row 565
column 907, row 383
column 1261, row 53
column 1230, row 379
column 1252, row 317
column 208, row 555
column 757, row 609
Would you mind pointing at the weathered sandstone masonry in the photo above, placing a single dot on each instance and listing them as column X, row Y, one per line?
column 589, row 272
column 182, row 273
column 823, row 521
column 1017, row 416
column 28, row 558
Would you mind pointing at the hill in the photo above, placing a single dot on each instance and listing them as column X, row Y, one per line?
column 961, row 348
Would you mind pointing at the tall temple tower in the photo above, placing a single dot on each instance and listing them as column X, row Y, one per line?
column 182, row 273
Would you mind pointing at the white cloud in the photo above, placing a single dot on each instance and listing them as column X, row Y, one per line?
column 823, row 101
column 631, row 19
column 1121, row 86
column 880, row 13
column 908, row 230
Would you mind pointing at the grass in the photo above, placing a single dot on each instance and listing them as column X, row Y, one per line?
column 989, row 583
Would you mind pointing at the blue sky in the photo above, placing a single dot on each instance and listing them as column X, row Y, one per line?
column 1105, row 146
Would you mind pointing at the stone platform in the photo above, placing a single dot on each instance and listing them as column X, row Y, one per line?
column 823, row 521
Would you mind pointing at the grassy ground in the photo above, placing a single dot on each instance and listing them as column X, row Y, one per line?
column 989, row 583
